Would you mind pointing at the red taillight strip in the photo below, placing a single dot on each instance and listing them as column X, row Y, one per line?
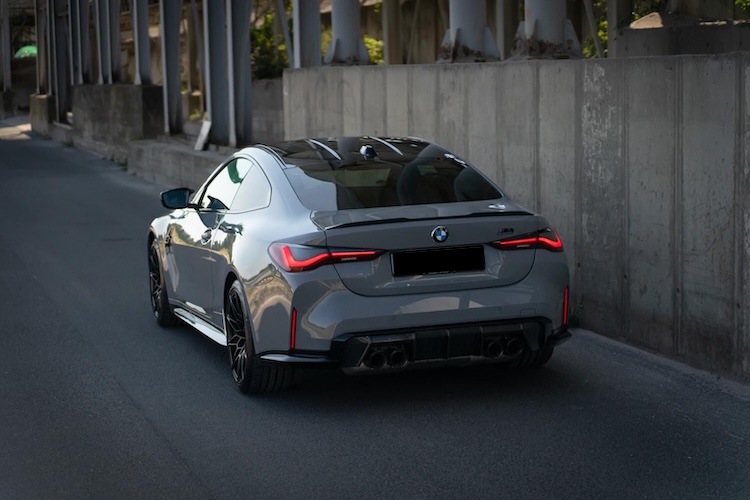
column 565, row 306
column 354, row 255
column 517, row 243
column 283, row 256
column 553, row 244
column 293, row 264
column 293, row 338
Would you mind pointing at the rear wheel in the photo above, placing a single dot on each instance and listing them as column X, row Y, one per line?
column 158, row 291
column 249, row 372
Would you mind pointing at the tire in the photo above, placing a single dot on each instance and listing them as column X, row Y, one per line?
column 158, row 292
column 250, row 374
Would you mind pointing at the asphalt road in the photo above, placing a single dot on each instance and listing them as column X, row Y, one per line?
column 97, row 401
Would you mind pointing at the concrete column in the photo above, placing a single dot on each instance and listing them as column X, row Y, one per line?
column 84, row 46
column 239, row 81
column 74, row 29
column 170, row 12
column 545, row 21
column 215, row 70
column 306, row 21
column 40, row 18
column 346, row 46
column 60, row 57
column 5, row 47
column 618, row 15
column 546, row 32
column 506, row 22
column 115, row 42
column 393, row 48
column 139, row 11
column 468, row 39
column 102, row 40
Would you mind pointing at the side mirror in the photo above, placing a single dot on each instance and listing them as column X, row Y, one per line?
column 176, row 198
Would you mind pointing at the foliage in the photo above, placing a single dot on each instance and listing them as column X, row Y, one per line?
column 640, row 9
column 374, row 49
column 268, row 58
column 744, row 4
column 373, row 45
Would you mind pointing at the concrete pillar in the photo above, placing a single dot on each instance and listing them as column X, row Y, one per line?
column 170, row 15
column 545, row 21
column 506, row 22
column 102, row 40
column 139, row 12
column 239, row 81
column 83, row 44
column 392, row 47
column 60, row 56
column 306, row 21
column 40, row 17
column 346, row 46
column 74, row 29
column 618, row 15
column 468, row 39
column 5, row 47
column 546, row 32
column 215, row 69
column 115, row 42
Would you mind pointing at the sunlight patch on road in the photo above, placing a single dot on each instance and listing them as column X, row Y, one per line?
column 14, row 131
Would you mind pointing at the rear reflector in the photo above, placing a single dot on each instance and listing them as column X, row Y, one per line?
column 298, row 258
column 565, row 306
column 293, row 338
column 547, row 239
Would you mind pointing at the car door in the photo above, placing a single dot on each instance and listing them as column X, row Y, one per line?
column 253, row 196
column 191, row 235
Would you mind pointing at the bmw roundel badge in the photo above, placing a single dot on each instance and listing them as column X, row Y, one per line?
column 439, row 234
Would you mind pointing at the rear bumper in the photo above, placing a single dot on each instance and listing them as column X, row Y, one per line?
column 452, row 344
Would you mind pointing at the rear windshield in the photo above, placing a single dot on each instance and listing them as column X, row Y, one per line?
column 326, row 186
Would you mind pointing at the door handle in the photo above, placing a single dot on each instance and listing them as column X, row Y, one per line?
column 206, row 236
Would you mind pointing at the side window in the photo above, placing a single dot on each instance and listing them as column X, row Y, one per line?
column 255, row 191
column 222, row 189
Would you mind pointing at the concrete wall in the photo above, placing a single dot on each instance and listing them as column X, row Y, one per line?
column 716, row 38
column 641, row 164
column 172, row 164
column 107, row 117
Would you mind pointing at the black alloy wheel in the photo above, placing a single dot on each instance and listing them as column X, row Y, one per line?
column 158, row 292
column 250, row 374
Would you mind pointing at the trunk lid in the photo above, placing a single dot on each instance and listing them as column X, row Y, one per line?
column 430, row 248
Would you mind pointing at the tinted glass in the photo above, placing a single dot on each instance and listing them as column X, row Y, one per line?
column 369, row 184
column 255, row 191
column 220, row 193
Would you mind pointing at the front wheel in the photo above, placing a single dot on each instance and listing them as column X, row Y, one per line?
column 249, row 372
column 158, row 291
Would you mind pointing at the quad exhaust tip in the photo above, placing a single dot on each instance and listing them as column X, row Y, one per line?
column 503, row 347
column 393, row 356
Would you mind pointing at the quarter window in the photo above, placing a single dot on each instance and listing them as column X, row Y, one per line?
column 222, row 189
column 255, row 191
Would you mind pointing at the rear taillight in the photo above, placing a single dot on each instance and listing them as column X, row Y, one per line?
column 547, row 239
column 298, row 258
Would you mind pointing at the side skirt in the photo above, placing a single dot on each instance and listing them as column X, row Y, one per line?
column 202, row 326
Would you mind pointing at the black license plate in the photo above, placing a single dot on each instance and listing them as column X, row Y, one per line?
column 440, row 261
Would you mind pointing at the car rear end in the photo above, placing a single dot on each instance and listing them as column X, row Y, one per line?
column 425, row 262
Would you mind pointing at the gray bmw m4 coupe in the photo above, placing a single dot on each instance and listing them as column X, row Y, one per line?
column 371, row 254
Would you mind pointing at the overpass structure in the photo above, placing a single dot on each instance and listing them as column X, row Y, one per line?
column 641, row 163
